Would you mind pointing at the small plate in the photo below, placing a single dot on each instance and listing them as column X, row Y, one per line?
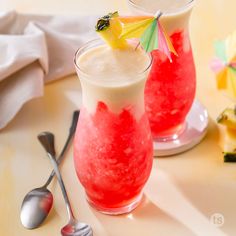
column 195, row 131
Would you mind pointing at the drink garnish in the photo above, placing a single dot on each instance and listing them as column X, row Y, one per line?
column 109, row 28
column 224, row 64
column 116, row 30
column 104, row 22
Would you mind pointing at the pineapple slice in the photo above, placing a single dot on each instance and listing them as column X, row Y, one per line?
column 109, row 28
column 230, row 141
column 230, row 145
column 228, row 118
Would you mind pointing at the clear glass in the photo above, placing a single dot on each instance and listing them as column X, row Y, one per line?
column 170, row 89
column 113, row 149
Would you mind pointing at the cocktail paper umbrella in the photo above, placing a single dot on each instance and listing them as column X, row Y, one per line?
column 150, row 33
column 224, row 65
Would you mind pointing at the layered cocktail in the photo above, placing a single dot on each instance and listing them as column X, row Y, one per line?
column 113, row 142
column 170, row 89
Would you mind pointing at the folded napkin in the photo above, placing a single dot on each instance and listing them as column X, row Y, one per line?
column 35, row 50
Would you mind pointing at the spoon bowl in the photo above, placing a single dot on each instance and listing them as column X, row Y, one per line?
column 75, row 228
column 37, row 205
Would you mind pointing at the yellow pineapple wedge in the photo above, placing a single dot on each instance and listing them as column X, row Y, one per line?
column 230, row 145
column 109, row 28
column 228, row 119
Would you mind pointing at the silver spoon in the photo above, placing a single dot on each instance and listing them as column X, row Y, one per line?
column 74, row 227
column 38, row 202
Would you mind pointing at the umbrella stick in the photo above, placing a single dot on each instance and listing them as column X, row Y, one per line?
column 158, row 14
column 137, row 46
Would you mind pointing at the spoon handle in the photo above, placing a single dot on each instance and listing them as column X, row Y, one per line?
column 70, row 135
column 47, row 141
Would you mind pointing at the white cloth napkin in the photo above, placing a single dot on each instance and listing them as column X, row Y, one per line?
column 35, row 50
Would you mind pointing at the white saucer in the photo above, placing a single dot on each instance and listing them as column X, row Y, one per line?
column 195, row 131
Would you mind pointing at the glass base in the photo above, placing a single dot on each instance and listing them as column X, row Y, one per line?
column 120, row 210
column 195, row 130
column 172, row 134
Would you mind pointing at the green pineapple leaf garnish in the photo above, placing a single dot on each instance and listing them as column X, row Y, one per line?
column 104, row 22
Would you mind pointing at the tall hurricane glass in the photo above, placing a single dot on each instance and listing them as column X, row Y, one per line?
column 170, row 89
column 113, row 142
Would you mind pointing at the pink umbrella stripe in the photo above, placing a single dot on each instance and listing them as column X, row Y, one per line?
column 217, row 65
column 162, row 44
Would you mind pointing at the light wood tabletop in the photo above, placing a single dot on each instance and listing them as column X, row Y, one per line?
column 184, row 192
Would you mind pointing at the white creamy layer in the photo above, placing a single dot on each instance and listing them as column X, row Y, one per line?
column 115, row 77
column 175, row 12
